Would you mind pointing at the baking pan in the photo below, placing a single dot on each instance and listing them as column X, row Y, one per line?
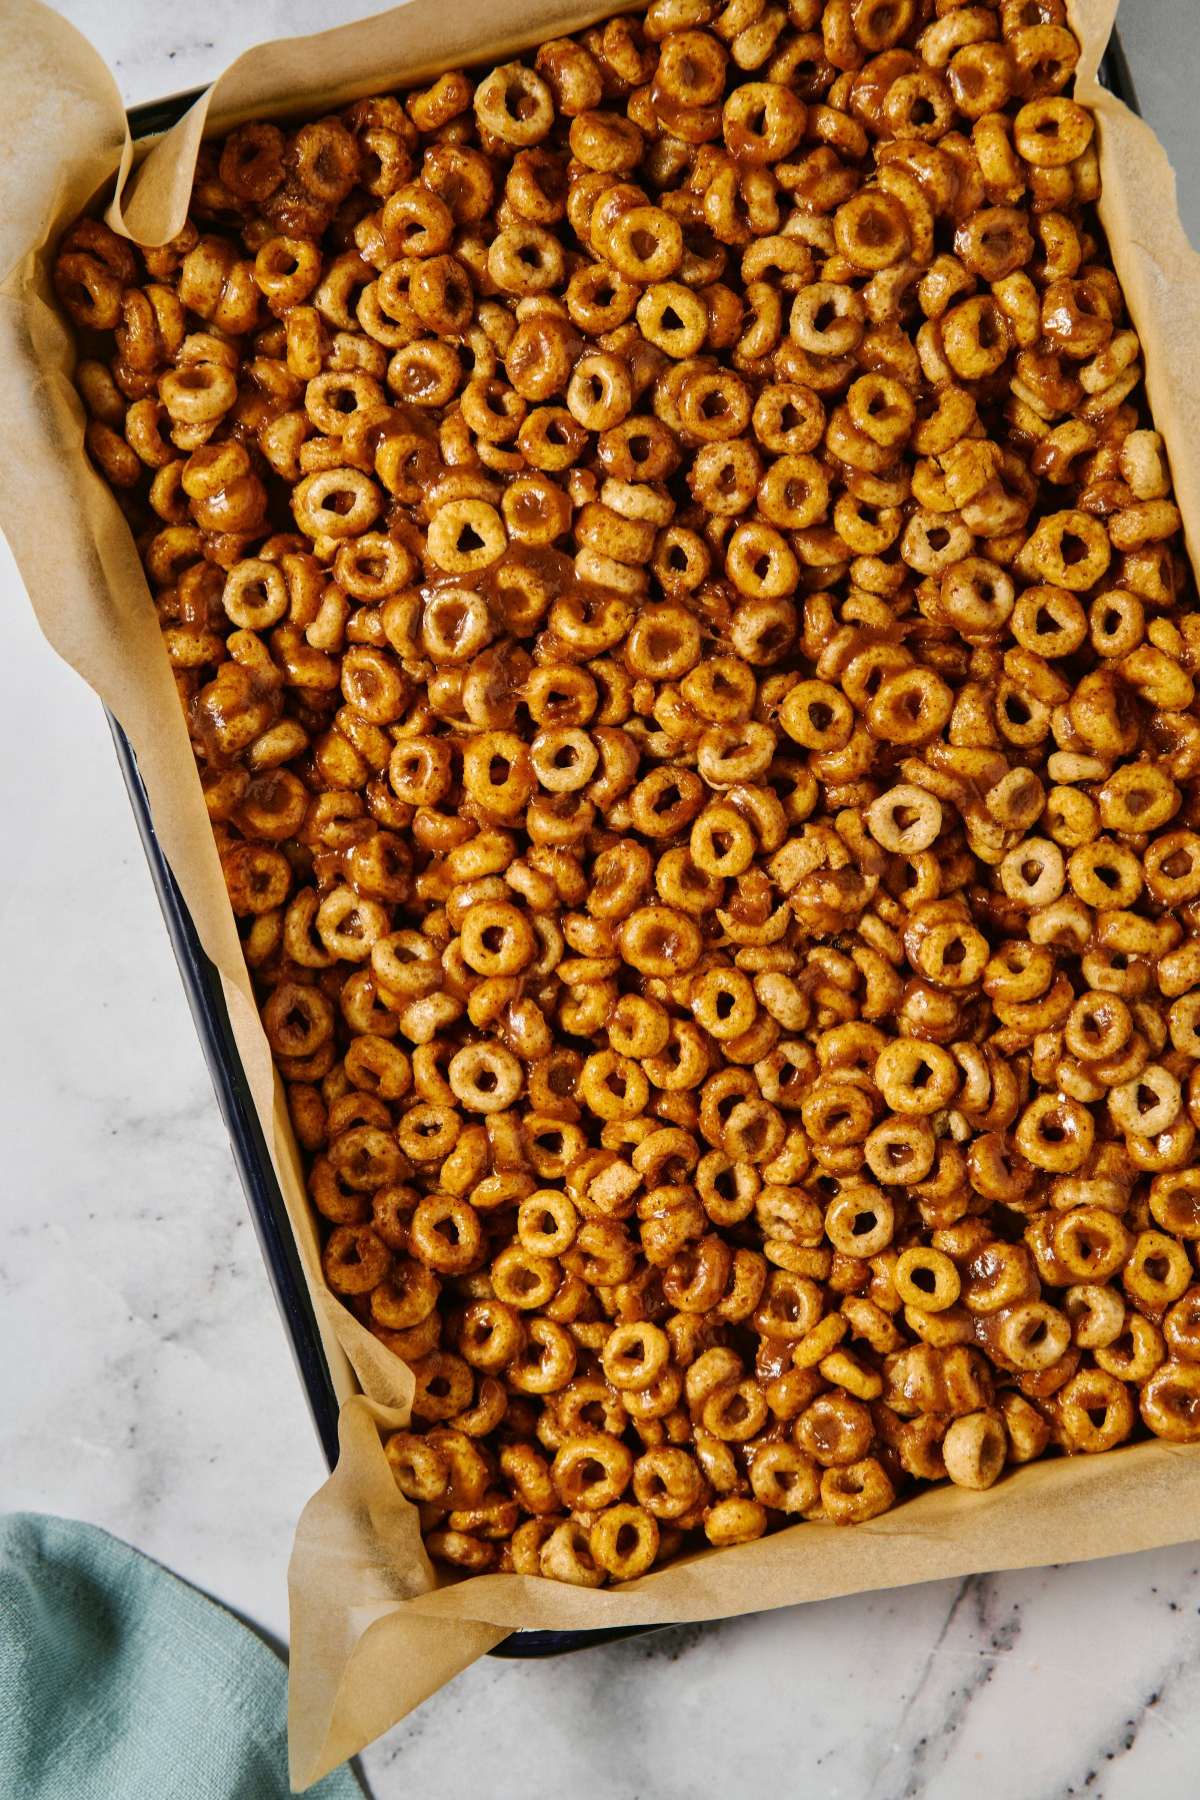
column 202, row 985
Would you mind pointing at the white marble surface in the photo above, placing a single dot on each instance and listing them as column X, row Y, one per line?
column 145, row 1382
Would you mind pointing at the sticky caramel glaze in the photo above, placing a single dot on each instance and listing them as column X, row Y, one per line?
column 680, row 612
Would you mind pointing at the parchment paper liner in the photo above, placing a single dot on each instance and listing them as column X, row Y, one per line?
column 373, row 1633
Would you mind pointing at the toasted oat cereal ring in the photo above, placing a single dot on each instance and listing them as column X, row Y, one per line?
column 735, row 1521
column 1031, row 1335
column 426, row 374
column 355, row 1259
column 1052, row 131
column 871, row 230
column 446, row 1234
column 485, row 1077
column 635, row 1355
column 1175, row 1202
column 464, row 536
column 918, row 105
column 366, row 1157
column 592, row 1471
column 926, row 1278
column 915, row 1077
column 1181, row 1327
column 1148, row 1104
column 1095, row 1411
column 667, row 1482
column 1070, row 550
column 419, row 1469
column 909, row 706
column 336, row 503
column 407, row 1298
column 523, row 1280
column 1170, row 1402
column 657, row 940
column 905, row 819
column 428, row 1132
column 443, row 1386
column 566, row 1556
column 525, row 259
column 974, row 1450
column 624, row 1541
column 1158, row 1270
column 255, row 595
column 497, row 939
column 546, row 1360
column 1136, row 1354
column 827, row 319
column 1097, row 1315
column 1090, row 1244
column 784, row 1479
column 515, row 105
column 547, row 1223
column 788, row 418
column 645, row 245
column 298, row 1019
column 975, row 338
column 855, row 1493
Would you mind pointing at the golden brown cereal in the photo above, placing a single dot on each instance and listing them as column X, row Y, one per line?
column 974, row 1449
column 679, row 609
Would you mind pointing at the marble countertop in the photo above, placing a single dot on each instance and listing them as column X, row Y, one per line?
column 133, row 1304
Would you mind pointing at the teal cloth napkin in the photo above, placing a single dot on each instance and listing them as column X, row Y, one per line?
column 120, row 1682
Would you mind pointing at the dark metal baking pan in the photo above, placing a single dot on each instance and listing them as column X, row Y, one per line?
column 202, row 984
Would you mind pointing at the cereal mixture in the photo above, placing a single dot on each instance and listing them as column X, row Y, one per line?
column 681, row 616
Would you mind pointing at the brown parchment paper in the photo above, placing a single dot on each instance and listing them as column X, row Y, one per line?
column 374, row 1631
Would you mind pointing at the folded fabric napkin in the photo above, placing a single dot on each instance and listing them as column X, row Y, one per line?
column 120, row 1682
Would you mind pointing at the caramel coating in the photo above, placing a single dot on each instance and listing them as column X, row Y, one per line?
column 681, row 617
